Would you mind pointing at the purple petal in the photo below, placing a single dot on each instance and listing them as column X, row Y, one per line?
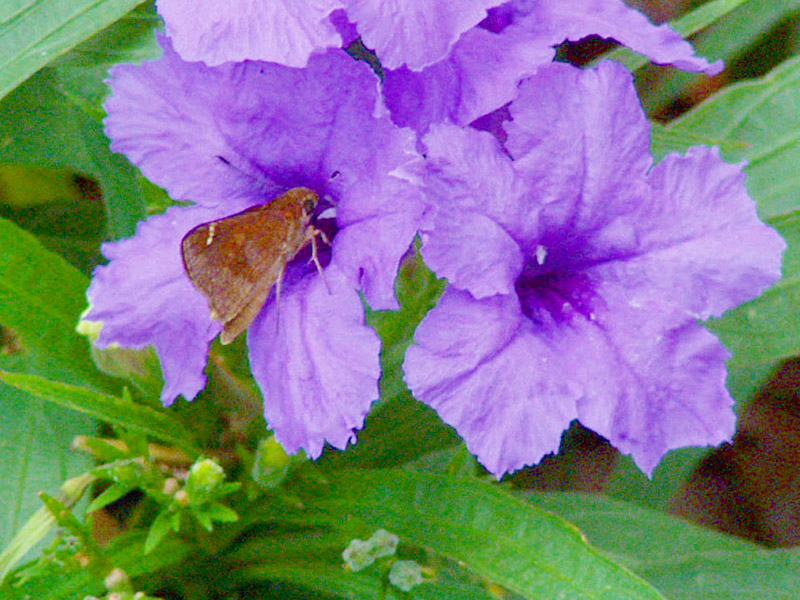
column 478, row 364
column 564, row 123
column 245, row 130
column 487, row 63
column 281, row 31
column 619, row 262
column 144, row 297
column 480, row 75
column 613, row 19
column 639, row 373
column 160, row 121
column 701, row 241
column 377, row 231
column 378, row 213
column 473, row 253
column 316, row 362
column 416, row 33
column 654, row 379
column 475, row 194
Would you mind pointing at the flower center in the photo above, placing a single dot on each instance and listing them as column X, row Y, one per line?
column 557, row 296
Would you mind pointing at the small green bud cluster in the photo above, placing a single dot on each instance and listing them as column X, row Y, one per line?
column 360, row 554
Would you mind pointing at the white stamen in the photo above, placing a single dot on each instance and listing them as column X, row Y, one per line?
column 541, row 254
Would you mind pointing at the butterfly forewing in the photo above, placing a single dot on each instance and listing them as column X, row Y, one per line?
column 236, row 261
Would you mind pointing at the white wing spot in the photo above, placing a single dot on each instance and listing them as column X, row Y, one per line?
column 210, row 237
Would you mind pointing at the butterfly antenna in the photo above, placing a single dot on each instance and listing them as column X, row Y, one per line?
column 249, row 174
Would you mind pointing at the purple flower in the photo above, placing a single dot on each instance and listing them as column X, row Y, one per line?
column 231, row 137
column 443, row 61
column 578, row 271
column 476, row 68
column 485, row 66
column 412, row 32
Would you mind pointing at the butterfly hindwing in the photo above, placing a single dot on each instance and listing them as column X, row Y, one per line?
column 236, row 261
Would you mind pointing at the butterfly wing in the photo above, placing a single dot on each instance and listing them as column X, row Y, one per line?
column 241, row 320
column 235, row 262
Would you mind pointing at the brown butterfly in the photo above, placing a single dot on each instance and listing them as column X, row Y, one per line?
column 235, row 261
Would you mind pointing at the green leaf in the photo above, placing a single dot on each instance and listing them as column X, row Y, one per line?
column 41, row 298
column 54, row 119
column 497, row 536
column 34, row 32
column 220, row 512
column 731, row 38
column 111, row 494
column 765, row 330
column 164, row 521
column 82, row 72
column 684, row 561
column 34, row 455
column 308, row 559
column 757, row 121
column 39, row 525
column 312, row 560
column 104, row 407
column 689, row 24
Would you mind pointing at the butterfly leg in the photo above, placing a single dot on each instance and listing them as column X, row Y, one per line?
column 314, row 233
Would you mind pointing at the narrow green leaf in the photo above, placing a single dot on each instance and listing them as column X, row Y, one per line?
column 220, row 512
column 34, row 32
column 54, row 119
column 111, row 494
column 689, row 24
column 164, row 521
column 705, row 15
column 731, row 38
column 499, row 537
column 40, row 525
column 757, row 121
column 684, row 561
column 126, row 552
column 104, row 407
column 41, row 298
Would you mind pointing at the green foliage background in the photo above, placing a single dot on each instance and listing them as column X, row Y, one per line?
column 408, row 474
